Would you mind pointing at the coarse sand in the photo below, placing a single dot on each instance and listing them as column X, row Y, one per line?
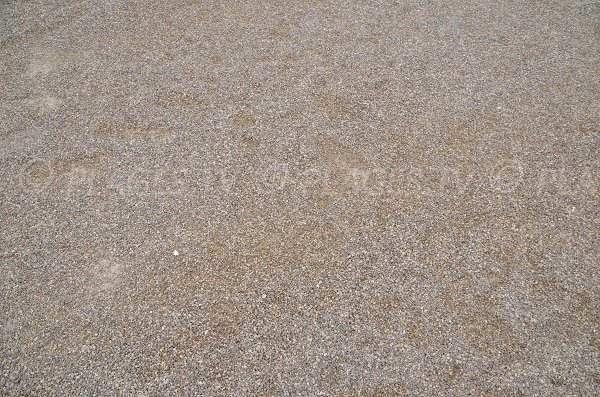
column 299, row 198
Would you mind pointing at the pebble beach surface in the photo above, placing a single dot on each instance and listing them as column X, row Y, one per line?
column 299, row 198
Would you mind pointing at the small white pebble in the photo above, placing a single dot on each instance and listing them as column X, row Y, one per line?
column 264, row 296
column 175, row 253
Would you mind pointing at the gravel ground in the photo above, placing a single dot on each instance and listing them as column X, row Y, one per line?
column 299, row 198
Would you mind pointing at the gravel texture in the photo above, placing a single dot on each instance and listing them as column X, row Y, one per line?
column 299, row 198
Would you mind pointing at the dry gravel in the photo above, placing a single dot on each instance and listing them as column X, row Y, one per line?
column 299, row 198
